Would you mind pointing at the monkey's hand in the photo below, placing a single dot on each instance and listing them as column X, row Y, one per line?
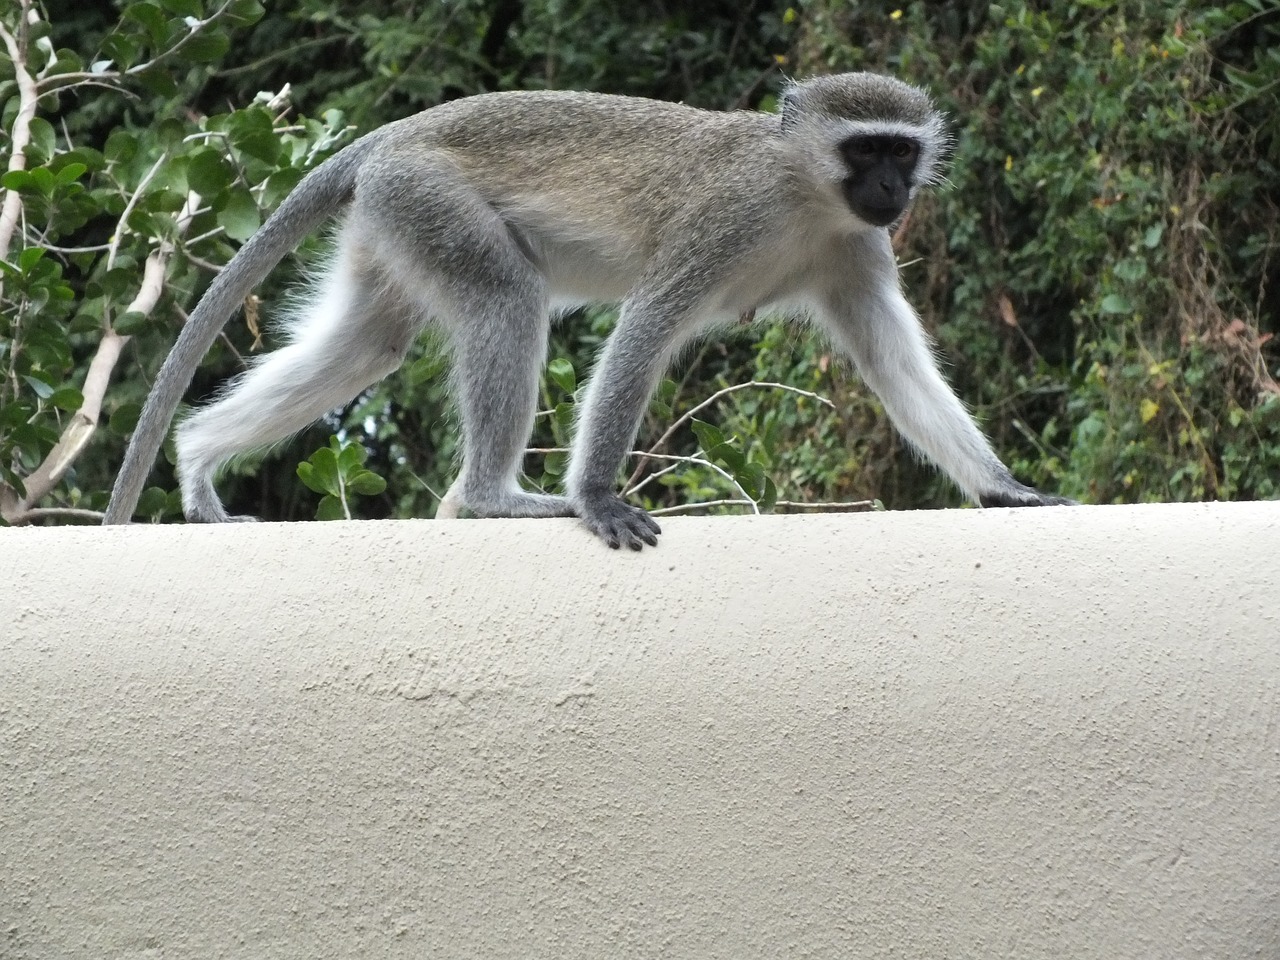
column 1015, row 494
column 616, row 522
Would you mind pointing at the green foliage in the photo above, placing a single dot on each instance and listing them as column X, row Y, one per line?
column 338, row 472
column 1098, row 271
column 110, row 239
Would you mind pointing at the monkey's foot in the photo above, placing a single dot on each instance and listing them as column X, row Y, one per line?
column 1020, row 495
column 505, row 504
column 616, row 522
column 196, row 516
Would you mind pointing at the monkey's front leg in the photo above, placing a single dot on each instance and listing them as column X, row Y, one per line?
column 634, row 358
column 874, row 324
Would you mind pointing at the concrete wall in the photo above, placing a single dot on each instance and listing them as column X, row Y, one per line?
column 1041, row 733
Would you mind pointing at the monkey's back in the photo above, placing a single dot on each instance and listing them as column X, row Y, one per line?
column 597, row 158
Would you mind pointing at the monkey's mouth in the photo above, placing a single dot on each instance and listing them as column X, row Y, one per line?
column 875, row 215
column 879, row 216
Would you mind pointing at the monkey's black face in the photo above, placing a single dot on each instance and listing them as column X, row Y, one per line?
column 878, row 186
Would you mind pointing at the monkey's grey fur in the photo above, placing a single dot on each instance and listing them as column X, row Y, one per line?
column 489, row 215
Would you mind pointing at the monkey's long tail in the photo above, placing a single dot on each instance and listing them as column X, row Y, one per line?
column 316, row 198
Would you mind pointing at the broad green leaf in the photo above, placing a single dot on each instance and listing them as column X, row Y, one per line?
column 127, row 324
column 323, row 471
column 242, row 13
column 732, row 458
column 159, row 82
column 124, row 418
column 279, row 185
column 16, row 180
column 561, row 373
column 13, row 415
column 555, row 463
column 69, row 174
column 65, row 61
column 68, row 398
column 1114, row 303
column 120, row 48
column 307, row 474
column 367, row 484
column 208, row 172
column 709, row 437
column 171, row 133
column 251, row 132
column 42, row 390
column 751, row 479
column 153, row 502
column 43, row 138
column 240, row 217
column 42, row 180
column 564, row 415
column 770, row 496
column 151, row 18
column 29, row 257
column 121, row 147
column 350, row 457
column 182, row 8
column 206, row 47
column 330, row 509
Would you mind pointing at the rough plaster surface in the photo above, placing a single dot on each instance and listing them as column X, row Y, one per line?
column 1040, row 733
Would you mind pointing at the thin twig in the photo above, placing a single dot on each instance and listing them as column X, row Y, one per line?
column 702, row 462
column 73, row 513
column 201, row 262
column 54, row 248
column 835, row 506
column 204, row 236
column 670, row 431
column 121, row 225
column 649, row 478
column 850, row 507
column 687, row 507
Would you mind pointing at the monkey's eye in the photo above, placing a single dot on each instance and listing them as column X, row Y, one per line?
column 861, row 148
column 904, row 150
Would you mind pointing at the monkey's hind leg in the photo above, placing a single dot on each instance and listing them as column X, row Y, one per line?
column 498, row 354
column 349, row 334
column 476, row 276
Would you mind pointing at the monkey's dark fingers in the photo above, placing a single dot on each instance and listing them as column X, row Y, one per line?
column 618, row 523
column 1020, row 495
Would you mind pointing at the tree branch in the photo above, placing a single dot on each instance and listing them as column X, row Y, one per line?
column 19, row 137
column 84, row 422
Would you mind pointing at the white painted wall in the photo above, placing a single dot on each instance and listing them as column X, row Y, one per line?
column 1030, row 734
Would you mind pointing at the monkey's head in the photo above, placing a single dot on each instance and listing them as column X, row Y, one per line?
column 873, row 140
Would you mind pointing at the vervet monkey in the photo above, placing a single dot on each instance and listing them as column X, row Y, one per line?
column 489, row 215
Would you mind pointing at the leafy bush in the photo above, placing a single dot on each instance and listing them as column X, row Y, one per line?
column 1099, row 270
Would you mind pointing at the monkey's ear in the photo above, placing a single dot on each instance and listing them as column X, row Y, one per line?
column 791, row 109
